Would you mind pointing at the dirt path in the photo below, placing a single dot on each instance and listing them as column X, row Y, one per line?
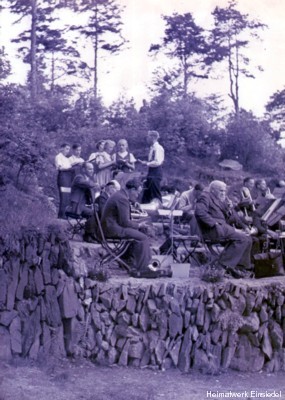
column 82, row 380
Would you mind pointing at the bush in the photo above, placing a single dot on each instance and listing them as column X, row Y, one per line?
column 100, row 273
column 211, row 274
column 20, row 209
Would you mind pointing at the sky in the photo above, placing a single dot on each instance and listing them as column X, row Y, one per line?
column 130, row 73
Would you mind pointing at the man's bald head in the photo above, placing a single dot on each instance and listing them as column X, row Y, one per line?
column 88, row 169
column 218, row 189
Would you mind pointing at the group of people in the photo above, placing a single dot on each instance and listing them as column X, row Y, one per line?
column 234, row 216
column 216, row 213
column 105, row 179
column 110, row 162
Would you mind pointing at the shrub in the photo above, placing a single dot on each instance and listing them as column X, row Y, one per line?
column 211, row 274
column 20, row 209
column 100, row 273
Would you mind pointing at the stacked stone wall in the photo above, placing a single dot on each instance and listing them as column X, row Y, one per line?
column 50, row 305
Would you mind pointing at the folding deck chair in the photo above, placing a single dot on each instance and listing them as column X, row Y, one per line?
column 75, row 221
column 115, row 247
column 191, row 245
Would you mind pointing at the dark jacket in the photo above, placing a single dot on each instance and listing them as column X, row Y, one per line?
column 210, row 210
column 82, row 193
column 101, row 202
column 116, row 215
column 212, row 215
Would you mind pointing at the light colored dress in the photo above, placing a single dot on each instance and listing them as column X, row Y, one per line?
column 104, row 175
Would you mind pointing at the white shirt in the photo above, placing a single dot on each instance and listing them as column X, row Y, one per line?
column 75, row 160
column 156, row 155
column 62, row 163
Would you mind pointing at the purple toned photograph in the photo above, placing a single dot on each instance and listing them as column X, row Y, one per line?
column 142, row 186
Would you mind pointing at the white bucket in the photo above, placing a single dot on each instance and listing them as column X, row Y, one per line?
column 180, row 270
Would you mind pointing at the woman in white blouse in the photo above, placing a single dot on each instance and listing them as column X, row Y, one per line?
column 64, row 178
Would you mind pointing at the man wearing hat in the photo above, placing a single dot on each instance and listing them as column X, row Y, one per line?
column 154, row 176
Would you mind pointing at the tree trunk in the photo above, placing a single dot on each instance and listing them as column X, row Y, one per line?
column 233, row 80
column 236, row 81
column 96, row 55
column 52, row 72
column 185, row 77
column 33, row 53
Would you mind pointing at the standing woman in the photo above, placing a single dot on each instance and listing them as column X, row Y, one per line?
column 105, row 163
column 64, row 178
column 98, row 158
column 125, row 162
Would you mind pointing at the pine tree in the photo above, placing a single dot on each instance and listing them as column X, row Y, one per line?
column 104, row 29
column 231, row 35
column 184, row 41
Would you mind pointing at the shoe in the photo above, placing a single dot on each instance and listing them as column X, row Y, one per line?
column 237, row 273
column 89, row 238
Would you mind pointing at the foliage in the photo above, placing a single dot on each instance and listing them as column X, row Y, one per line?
column 276, row 110
column 21, row 152
column 50, row 56
column 211, row 274
column 5, row 65
column 104, row 29
column 22, row 209
column 184, row 40
column 184, row 127
column 230, row 36
column 194, row 131
column 250, row 141
column 100, row 273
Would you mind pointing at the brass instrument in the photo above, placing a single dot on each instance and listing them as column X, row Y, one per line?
column 246, row 195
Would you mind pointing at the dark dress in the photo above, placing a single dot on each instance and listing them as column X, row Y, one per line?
column 64, row 181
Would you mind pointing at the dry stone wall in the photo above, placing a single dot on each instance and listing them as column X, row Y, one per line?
column 50, row 306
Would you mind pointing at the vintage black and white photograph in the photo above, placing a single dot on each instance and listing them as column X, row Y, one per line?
column 142, row 186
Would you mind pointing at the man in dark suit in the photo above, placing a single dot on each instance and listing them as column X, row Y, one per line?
column 116, row 223
column 213, row 217
column 90, row 232
column 83, row 190
column 110, row 188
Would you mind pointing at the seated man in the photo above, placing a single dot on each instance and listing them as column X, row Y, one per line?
column 243, row 197
column 262, row 192
column 90, row 234
column 213, row 218
column 116, row 223
column 83, row 190
column 187, row 203
column 109, row 189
